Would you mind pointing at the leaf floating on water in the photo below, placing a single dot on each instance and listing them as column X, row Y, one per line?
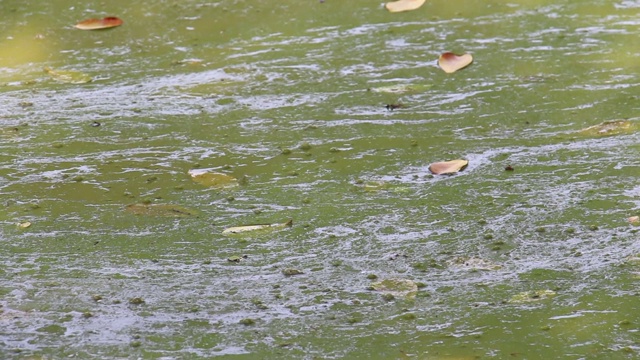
column 529, row 296
column 163, row 210
column 450, row 62
column 24, row 225
column 396, row 287
column 448, row 167
column 609, row 128
column 634, row 220
column 213, row 179
column 68, row 76
column 403, row 5
column 258, row 227
column 98, row 24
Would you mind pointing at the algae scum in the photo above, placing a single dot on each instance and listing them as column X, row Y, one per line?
column 308, row 137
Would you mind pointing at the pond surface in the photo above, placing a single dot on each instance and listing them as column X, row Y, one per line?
column 289, row 99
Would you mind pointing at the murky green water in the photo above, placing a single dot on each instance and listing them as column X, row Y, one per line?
column 539, row 262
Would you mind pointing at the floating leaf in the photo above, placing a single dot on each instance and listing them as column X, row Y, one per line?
column 635, row 220
column 396, row 287
column 529, row 296
column 98, row 24
column 403, row 5
column 450, row 62
column 165, row 210
column 24, row 225
column 448, row 167
column 609, row 128
column 68, row 76
column 471, row 263
column 213, row 179
column 400, row 88
column 258, row 227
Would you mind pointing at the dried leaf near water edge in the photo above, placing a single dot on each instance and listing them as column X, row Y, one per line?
column 68, row 76
column 213, row 179
column 161, row 210
column 450, row 62
column 448, row 167
column 610, row 128
column 99, row 24
column 403, row 5
column 257, row 227
column 396, row 287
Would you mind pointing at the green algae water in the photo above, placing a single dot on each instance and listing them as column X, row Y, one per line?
column 528, row 253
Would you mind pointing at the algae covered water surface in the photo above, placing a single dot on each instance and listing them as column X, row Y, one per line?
column 123, row 164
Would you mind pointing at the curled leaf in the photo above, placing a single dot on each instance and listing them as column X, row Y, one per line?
column 450, row 62
column 258, row 227
column 213, row 179
column 97, row 24
column 609, row 128
column 24, row 225
column 68, row 76
column 448, row 167
column 163, row 210
column 403, row 5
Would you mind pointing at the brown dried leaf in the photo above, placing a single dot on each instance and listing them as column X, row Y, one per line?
column 450, row 62
column 448, row 167
column 98, row 24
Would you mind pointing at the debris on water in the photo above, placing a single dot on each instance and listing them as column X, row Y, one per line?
column 68, row 76
column 472, row 263
column 247, row 322
column 213, row 179
column 400, row 88
column 236, row 258
column 634, row 220
column 392, row 107
column 530, row 296
column 136, row 301
column 448, row 167
column 403, row 5
column 610, row 128
column 291, row 272
column 24, row 225
column 508, row 168
column 450, row 62
column 163, row 210
column 396, row 287
column 257, row 227
column 95, row 124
